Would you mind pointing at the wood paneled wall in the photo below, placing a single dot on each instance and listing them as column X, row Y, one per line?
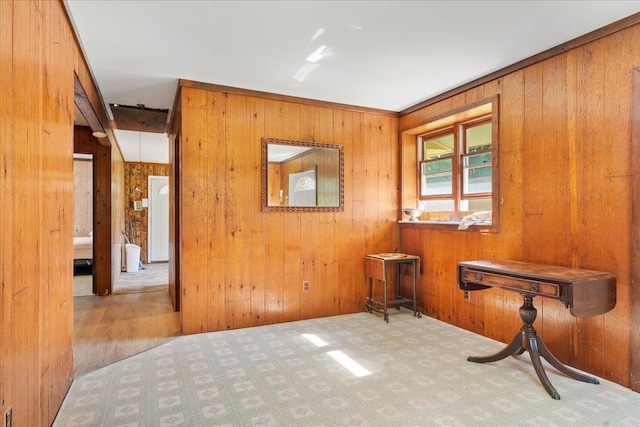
column 38, row 59
column 244, row 267
column 565, row 182
column 137, row 222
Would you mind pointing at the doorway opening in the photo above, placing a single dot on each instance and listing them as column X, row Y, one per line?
column 107, row 327
column 145, row 256
column 82, row 224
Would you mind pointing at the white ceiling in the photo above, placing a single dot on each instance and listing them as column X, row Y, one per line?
column 389, row 55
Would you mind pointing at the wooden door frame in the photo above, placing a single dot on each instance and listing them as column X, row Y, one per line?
column 635, row 232
column 85, row 143
column 177, row 229
column 175, row 209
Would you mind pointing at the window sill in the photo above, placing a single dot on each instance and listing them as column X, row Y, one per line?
column 483, row 227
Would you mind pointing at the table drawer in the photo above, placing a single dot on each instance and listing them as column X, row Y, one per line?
column 509, row 282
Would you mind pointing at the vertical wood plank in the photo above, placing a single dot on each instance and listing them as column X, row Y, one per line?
column 635, row 232
column 274, row 230
column 620, row 58
column 195, row 211
column 257, row 238
column 237, row 181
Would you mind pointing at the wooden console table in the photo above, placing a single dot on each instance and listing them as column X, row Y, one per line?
column 585, row 292
column 375, row 269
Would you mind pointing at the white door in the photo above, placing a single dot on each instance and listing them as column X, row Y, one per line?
column 302, row 188
column 158, row 218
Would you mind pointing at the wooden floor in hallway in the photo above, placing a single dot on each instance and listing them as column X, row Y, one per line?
column 113, row 327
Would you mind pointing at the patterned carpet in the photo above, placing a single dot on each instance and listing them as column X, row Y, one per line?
column 409, row 372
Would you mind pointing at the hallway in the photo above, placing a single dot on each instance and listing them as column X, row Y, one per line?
column 111, row 328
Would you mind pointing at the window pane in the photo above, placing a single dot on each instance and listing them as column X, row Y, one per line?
column 475, row 205
column 440, row 146
column 477, row 173
column 473, row 160
column 477, row 180
column 435, row 166
column 478, row 138
column 437, row 184
column 440, row 205
column 437, row 177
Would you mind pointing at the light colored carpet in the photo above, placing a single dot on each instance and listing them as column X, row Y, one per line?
column 274, row 375
column 154, row 277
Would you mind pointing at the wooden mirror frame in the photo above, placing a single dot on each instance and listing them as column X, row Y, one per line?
column 265, row 175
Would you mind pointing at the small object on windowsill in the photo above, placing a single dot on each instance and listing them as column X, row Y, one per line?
column 414, row 213
column 481, row 217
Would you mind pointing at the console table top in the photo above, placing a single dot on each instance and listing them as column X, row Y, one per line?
column 544, row 272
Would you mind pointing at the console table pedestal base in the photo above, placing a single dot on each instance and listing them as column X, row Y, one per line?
column 528, row 340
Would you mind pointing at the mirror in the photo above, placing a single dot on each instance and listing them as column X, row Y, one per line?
column 302, row 176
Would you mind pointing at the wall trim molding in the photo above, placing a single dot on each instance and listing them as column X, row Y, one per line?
column 284, row 98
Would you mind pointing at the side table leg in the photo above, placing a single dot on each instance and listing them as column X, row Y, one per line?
column 544, row 352
column 528, row 340
column 537, row 365
column 415, row 303
column 513, row 347
column 384, row 297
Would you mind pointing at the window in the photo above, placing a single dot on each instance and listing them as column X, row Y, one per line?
column 455, row 167
column 455, row 164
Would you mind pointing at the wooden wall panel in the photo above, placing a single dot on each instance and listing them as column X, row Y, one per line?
column 634, row 293
column 621, row 55
column 39, row 57
column 196, row 218
column 265, row 256
column 565, row 200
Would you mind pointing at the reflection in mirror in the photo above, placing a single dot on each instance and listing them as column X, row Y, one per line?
column 302, row 176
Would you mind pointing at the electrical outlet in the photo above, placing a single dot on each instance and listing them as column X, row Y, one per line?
column 467, row 296
column 305, row 286
column 8, row 418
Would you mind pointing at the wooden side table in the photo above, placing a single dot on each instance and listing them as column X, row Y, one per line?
column 375, row 269
column 585, row 293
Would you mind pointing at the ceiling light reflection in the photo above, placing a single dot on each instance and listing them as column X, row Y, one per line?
column 317, row 54
column 316, row 35
column 304, row 71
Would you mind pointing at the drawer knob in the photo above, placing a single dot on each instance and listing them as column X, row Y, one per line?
column 478, row 276
column 534, row 287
